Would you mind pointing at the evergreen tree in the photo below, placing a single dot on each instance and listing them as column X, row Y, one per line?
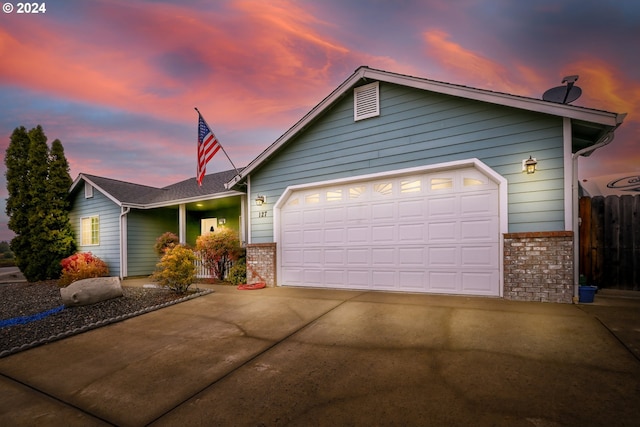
column 17, row 206
column 39, row 204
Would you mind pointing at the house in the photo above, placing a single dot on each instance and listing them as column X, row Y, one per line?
column 399, row 183
column 120, row 221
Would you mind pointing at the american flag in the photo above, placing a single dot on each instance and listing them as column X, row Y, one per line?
column 208, row 146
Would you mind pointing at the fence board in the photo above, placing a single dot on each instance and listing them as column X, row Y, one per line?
column 610, row 241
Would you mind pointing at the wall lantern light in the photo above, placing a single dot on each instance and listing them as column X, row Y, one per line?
column 261, row 200
column 529, row 165
column 222, row 221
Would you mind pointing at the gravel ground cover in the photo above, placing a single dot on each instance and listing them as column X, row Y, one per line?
column 20, row 302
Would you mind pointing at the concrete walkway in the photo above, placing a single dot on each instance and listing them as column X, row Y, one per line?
column 286, row 356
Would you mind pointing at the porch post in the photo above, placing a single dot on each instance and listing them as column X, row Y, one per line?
column 182, row 223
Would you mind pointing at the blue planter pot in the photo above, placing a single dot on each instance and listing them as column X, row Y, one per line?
column 587, row 293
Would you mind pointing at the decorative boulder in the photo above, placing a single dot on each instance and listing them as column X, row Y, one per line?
column 91, row 291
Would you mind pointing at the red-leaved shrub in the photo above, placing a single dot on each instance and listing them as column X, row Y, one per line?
column 81, row 265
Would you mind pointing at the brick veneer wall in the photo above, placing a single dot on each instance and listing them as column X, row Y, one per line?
column 261, row 263
column 539, row 266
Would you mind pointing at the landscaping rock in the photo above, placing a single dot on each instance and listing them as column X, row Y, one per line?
column 91, row 291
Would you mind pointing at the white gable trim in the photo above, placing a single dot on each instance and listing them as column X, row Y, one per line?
column 365, row 73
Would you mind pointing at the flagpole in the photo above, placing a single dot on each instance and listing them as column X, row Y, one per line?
column 221, row 146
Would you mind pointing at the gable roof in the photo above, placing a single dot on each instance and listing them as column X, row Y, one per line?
column 143, row 196
column 589, row 125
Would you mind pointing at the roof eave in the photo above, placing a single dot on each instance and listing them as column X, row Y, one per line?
column 603, row 118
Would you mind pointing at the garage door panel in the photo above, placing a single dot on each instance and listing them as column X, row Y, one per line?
column 480, row 282
column 443, row 256
column 442, row 207
column 292, row 257
column 443, row 281
column 312, row 217
column 291, row 237
column 383, row 234
column 334, row 256
column 312, row 237
column 437, row 232
column 383, row 211
column 358, row 279
column 358, row 213
column 383, row 280
column 411, row 209
column 479, row 256
column 312, row 257
column 384, row 256
column 334, row 215
column 480, row 229
column 358, row 256
column 412, row 280
column 358, row 235
column 333, row 236
column 443, row 231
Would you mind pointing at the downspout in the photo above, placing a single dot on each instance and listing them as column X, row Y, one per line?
column 605, row 140
column 123, row 241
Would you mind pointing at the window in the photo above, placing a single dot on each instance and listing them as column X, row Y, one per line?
column 441, row 183
column 384, row 188
column 471, row 182
column 356, row 192
column 410, row 186
column 88, row 190
column 311, row 199
column 334, row 195
column 366, row 101
column 90, row 231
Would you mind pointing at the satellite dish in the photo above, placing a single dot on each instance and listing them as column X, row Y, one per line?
column 564, row 94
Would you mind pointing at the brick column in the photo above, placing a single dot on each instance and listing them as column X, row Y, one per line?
column 539, row 266
column 261, row 263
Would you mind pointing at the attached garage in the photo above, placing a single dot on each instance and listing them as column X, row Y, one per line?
column 433, row 229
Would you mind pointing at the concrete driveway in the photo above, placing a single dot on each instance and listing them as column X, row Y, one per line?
column 284, row 356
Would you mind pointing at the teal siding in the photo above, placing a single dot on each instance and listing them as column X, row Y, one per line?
column 418, row 128
column 143, row 228
column 109, row 213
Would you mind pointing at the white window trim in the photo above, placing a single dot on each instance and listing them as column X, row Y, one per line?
column 82, row 242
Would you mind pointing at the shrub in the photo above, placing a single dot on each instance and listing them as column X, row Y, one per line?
column 217, row 248
column 176, row 269
column 238, row 272
column 81, row 265
column 166, row 240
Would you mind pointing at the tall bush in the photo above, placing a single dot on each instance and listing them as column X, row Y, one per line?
column 176, row 269
column 165, row 241
column 217, row 249
column 82, row 265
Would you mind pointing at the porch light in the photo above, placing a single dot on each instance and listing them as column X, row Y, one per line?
column 261, row 200
column 529, row 165
column 222, row 221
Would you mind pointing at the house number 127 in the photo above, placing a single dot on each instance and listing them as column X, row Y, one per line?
column 262, row 214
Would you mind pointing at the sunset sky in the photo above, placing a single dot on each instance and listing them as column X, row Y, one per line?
column 117, row 80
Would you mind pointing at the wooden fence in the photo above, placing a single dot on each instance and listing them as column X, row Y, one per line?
column 610, row 241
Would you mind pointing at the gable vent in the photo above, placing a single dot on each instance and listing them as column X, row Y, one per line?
column 366, row 101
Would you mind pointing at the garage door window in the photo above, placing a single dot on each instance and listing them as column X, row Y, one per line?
column 412, row 186
column 441, row 183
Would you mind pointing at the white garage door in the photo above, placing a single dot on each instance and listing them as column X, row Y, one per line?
column 434, row 232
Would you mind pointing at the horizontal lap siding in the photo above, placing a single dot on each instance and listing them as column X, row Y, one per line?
column 419, row 128
column 144, row 227
column 109, row 213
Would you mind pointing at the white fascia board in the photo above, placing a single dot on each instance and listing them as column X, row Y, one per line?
column 537, row 105
column 186, row 200
column 528, row 104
